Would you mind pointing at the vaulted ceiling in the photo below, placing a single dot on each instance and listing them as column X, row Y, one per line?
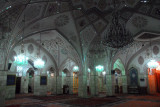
column 80, row 24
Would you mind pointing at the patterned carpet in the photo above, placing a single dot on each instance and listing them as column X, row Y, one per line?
column 90, row 101
column 26, row 100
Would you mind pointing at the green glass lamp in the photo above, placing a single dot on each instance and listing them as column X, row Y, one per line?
column 99, row 68
column 21, row 60
column 75, row 68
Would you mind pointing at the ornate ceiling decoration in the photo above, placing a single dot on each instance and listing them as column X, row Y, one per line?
column 32, row 11
column 156, row 50
column 12, row 55
column 30, row 49
column 147, row 36
column 140, row 60
column 139, row 21
column 61, row 20
column 9, row 17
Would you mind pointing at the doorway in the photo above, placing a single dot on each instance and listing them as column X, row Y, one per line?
column 31, row 81
column 18, row 85
column 118, row 81
column 75, row 82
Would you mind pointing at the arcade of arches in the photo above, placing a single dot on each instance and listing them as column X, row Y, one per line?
column 67, row 35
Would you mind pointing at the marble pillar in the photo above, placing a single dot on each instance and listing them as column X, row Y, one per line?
column 110, row 90
column 24, row 83
column 94, row 83
column 124, row 84
column 59, row 88
column 3, row 79
column 10, row 89
column 82, row 88
column 70, row 84
column 39, row 90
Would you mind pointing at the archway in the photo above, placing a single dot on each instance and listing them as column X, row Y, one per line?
column 70, row 76
column 133, row 81
column 66, row 81
column 31, row 80
column 120, row 78
column 50, row 80
column 133, row 75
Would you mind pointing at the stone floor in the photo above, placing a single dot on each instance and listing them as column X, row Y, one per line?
column 28, row 100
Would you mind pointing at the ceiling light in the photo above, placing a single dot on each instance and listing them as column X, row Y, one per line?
column 89, row 70
column 39, row 63
column 99, row 68
column 152, row 64
column 104, row 72
column 117, row 36
column 76, row 68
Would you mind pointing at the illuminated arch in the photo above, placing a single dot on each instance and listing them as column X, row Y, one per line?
column 119, row 65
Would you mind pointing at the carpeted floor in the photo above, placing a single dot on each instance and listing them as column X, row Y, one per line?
column 90, row 101
column 26, row 100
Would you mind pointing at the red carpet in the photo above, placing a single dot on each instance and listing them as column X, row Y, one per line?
column 91, row 101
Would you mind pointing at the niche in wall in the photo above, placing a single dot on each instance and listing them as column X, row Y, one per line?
column 43, row 80
column 11, row 80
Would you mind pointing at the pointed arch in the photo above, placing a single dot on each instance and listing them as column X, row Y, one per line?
column 65, row 62
column 119, row 65
column 133, row 75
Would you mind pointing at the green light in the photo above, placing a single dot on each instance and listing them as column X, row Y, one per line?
column 39, row 63
column 99, row 68
column 21, row 60
column 89, row 70
column 76, row 68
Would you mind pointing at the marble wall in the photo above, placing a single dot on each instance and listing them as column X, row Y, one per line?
column 3, row 79
column 10, row 90
column 39, row 90
column 24, row 84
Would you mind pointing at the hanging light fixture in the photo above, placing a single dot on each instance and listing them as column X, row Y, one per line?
column 99, row 68
column 158, row 67
column 118, row 36
column 39, row 63
column 75, row 68
column 104, row 72
column 21, row 59
column 152, row 64
column 89, row 70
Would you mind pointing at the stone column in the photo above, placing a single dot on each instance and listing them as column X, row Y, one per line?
column 52, row 84
column 39, row 90
column 82, row 88
column 59, row 85
column 124, row 84
column 3, row 79
column 110, row 90
column 53, row 88
column 10, row 89
column 70, row 84
column 24, row 83
column 94, row 83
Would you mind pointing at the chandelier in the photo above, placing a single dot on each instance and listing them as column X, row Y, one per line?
column 152, row 64
column 117, row 36
column 21, row 59
column 39, row 63
column 76, row 68
column 99, row 68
